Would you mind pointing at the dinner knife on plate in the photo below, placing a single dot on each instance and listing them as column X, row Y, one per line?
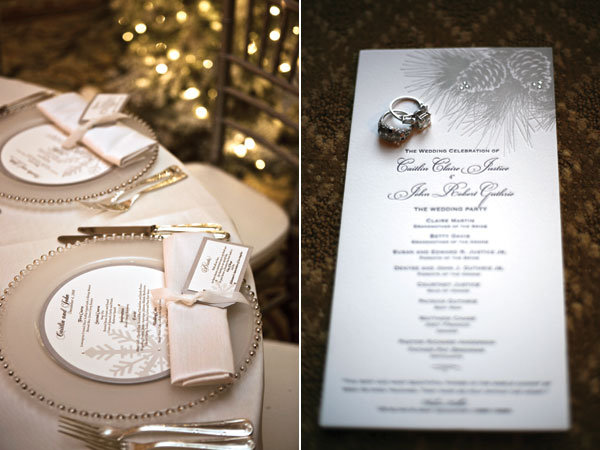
column 150, row 229
column 24, row 102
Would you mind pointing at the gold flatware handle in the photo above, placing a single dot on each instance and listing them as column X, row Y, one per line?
column 72, row 238
column 148, row 229
column 167, row 182
column 189, row 228
column 160, row 175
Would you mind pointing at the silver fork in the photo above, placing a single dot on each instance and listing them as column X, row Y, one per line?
column 166, row 173
column 224, row 435
column 224, row 444
column 237, row 444
column 225, row 428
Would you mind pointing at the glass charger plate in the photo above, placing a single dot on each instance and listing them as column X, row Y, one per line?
column 16, row 189
column 33, row 370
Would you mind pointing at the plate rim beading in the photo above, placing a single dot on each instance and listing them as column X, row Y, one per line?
column 153, row 153
column 61, row 407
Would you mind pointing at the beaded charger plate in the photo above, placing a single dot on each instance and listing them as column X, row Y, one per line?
column 37, row 370
column 35, row 170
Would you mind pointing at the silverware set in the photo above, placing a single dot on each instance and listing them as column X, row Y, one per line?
column 170, row 175
column 233, row 434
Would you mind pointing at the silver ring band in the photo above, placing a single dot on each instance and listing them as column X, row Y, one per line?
column 421, row 117
column 394, row 133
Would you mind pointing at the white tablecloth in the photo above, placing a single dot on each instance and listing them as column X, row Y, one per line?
column 27, row 232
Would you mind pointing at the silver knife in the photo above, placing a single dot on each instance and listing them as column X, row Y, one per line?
column 150, row 229
column 23, row 102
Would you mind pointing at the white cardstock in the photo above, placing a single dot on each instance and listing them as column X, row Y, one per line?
column 36, row 156
column 219, row 267
column 451, row 314
column 102, row 325
column 102, row 105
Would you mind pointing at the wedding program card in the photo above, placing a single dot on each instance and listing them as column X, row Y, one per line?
column 219, row 266
column 101, row 324
column 448, row 305
column 36, row 156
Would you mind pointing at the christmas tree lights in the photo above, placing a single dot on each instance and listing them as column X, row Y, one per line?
column 170, row 64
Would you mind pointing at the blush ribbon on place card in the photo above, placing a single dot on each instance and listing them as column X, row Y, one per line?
column 200, row 351
column 117, row 143
column 219, row 299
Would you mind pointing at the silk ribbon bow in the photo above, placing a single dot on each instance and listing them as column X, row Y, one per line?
column 78, row 133
column 221, row 299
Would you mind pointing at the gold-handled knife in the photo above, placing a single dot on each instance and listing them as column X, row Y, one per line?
column 150, row 229
column 71, row 239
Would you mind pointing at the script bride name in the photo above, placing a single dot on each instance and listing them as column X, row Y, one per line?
column 65, row 306
column 485, row 190
column 446, row 165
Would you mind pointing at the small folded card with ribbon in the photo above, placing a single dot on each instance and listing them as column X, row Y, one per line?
column 200, row 351
column 114, row 142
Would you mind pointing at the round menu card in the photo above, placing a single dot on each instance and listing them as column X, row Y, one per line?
column 101, row 324
column 36, row 156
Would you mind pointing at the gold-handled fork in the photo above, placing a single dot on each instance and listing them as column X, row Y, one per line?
column 163, row 174
column 125, row 205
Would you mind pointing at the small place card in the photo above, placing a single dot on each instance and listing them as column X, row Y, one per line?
column 220, row 267
column 102, row 105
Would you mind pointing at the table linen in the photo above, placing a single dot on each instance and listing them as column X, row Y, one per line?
column 28, row 231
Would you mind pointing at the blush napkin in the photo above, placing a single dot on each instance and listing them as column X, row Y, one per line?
column 200, row 350
column 117, row 144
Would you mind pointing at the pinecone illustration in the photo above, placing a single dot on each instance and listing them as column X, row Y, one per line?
column 531, row 69
column 482, row 75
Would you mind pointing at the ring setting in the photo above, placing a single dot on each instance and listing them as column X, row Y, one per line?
column 395, row 125
column 392, row 129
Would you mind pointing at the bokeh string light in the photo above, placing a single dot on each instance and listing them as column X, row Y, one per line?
column 172, row 49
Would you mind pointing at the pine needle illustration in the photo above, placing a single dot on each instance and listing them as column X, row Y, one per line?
column 502, row 96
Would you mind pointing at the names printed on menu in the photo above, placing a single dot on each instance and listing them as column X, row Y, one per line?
column 481, row 190
column 36, row 156
column 451, row 252
column 102, row 325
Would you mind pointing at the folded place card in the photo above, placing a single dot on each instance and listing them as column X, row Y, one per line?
column 219, row 267
column 451, row 315
column 102, row 105
column 116, row 143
